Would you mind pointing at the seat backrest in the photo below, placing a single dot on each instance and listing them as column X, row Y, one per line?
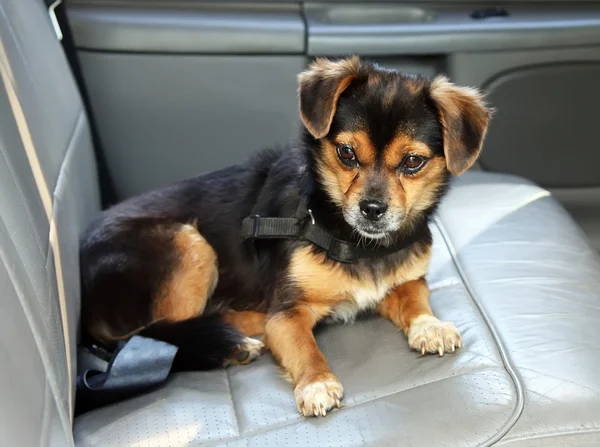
column 48, row 193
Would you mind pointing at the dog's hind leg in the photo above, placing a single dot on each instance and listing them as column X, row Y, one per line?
column 204, row 341
column 191, row 282
column 155, row 279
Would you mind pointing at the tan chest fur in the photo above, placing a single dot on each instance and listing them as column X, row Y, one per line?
column 332, row 292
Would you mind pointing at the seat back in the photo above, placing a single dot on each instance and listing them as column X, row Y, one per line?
column 48, row 193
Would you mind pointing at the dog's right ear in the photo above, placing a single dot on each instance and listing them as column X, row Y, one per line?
column 320, row 87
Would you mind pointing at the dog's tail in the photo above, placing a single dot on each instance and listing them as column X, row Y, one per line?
column 205, row 342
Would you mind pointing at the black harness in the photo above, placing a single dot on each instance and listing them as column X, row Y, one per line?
column 303, row 227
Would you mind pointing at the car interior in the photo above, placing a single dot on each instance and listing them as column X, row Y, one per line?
column 101, row 100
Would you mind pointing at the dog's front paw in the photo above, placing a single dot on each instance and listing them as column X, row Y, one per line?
column 247, row 352
column 317, row 397
column 428, row 334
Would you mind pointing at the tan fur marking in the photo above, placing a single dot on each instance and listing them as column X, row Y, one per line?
column 391, row 92
column 414, row 86
column 185, row 293
column 374, row 80
column 419, row 191
column 290, row 339
column 321, row 280
column 407, row 306
column 248, row 322
column 341, row 182
column 411, row 194
column 325, row 283
column 362, row 145
column 336, row 178
column 405, row 303
column 400, row 146
column 331, row 68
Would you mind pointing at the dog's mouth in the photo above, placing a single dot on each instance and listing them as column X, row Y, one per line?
column 375, row 231
column 372, row 233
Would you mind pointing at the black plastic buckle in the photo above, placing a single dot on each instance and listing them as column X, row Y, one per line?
column 255, row 224
column 100, row 352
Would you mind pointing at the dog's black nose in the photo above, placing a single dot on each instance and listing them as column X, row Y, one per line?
column 372, row 209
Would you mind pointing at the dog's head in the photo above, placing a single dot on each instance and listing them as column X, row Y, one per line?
column 385, row 143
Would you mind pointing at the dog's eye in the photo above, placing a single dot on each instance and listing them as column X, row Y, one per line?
column 346, row 154
column 412, row 163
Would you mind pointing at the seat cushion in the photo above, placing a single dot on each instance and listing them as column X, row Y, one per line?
column 510, row 269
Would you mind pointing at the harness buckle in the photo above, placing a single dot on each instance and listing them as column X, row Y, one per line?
column 255, row 224
column 312, row 218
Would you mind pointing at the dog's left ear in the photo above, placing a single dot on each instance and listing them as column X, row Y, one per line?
column 464, row 118
column 320, row 87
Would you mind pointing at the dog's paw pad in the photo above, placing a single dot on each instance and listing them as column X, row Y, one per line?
column 318, row 397
column 247, row 352
column 427, row 334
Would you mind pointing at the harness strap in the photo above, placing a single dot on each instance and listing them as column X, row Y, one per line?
column 304, row 228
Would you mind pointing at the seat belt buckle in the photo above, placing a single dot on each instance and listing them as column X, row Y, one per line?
column 100, row 352
column 54, row 20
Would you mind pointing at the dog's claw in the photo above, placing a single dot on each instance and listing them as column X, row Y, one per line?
column 319, row 397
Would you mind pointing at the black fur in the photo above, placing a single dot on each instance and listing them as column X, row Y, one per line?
column 204, row 342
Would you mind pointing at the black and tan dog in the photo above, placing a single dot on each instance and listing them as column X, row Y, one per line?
column 373, row 160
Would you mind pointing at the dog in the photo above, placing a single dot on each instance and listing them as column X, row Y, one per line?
column 332, row 226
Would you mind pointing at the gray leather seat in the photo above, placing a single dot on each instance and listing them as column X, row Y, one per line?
column 48, row 192
column 517, row 277
column 510, row 268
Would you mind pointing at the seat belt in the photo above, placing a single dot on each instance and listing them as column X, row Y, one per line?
column 58, row 17
column 137, row 366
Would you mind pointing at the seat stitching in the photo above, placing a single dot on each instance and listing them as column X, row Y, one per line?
column 22, row 197
column 585, row 387
column 508, row 365
column 78, row 123
column 35, row 331
column 234, row 407
column 527, row 436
